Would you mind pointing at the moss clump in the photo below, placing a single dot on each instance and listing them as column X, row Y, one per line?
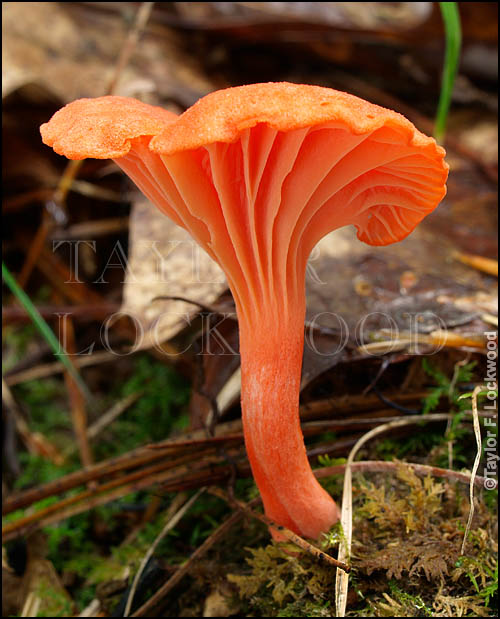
column 406, row 549
column 284, row 583
column 406, row 558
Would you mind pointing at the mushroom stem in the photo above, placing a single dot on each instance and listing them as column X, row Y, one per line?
column 271, row 360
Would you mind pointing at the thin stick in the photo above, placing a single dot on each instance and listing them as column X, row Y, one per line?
column 141, row 19
column 92, row 609
column 55, row 204
column 73, row 167
column 145, row 455
column 171, row 523
column 34, row 250
column 132, row 459
column 76, row 400
column 113, row 413
column 86, row 494
column 487, row 265
column 86, row 312
column 451, row 391
column 183, row 475
column 49, row 369
column 183, row 570
column 107, row 418
column 490, row 319
column 382, row 466
column 318, row 554
column 477, row 432
column 35, row 441
column 309, row 428
column 209, row 309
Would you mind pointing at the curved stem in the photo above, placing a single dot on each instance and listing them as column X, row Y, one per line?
column 271, row 359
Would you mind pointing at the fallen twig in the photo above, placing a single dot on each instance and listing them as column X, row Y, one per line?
column 290, row 536
column 133, row 459
column 141, row 19
column 382, row 466
column 145, row 467
column 171, row 523
column 86, row 499
column 35, row 441
column 113, row 413
column 86, row 312
column 49, row 369
column 183, row 570
column 76, row 399
column 486, row 265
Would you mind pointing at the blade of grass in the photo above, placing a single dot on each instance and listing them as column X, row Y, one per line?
column 475, row 466
column 453, row 34
column 44, row 329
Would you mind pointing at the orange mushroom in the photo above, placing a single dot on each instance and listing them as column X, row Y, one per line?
column 258, row 174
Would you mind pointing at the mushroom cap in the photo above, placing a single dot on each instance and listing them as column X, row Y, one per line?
column 102, row 128
column 385, row 176
column 223, row 115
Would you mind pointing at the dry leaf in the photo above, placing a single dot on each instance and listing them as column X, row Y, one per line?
column 165, row 261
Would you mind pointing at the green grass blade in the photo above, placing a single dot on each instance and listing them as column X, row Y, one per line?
column 453, row 33
column 44, row 329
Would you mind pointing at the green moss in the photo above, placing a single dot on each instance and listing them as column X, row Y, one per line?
column 326, row 461
column 154, row 416
column 283, row 583
column 72, row 544
column 16, row 344
column 54, row 602
column 406, row 559
column 409, row 534
column 37, row 470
